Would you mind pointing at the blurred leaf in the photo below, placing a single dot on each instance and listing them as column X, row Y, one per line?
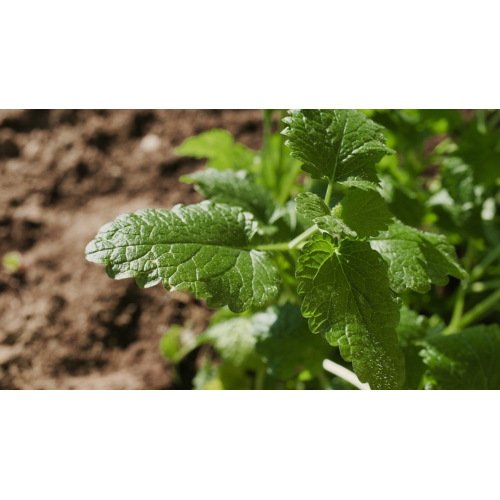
column 234, row 340
column 219, row 148
column 170, row 343
column 288, row 344
column 465, row 360
column 12, row 262
column 235, row 189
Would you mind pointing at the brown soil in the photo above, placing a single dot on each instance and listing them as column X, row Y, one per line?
column 63, row 174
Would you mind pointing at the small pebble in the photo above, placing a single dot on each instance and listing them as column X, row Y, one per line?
column 150, row 143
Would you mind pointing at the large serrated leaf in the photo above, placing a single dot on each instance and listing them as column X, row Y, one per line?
column 360, row 214
column 219, row 148
column 203, row 248
column 347, row 297
column 465, row 360
column 336, row 144
column 235, row 189
column 416, row 259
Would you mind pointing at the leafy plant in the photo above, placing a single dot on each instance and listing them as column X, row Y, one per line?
column 321, row 265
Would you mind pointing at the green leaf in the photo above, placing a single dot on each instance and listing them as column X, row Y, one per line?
column 311, row 206
column 416, row 259
column 235, row 189
column 359, row 215
column 336, row 144
column 203, row 248
column 411, row 329
column 288, row 344
column 464, row 360
column 234, row 341
column 347, row 297
column 222, row 377
column 219, row 148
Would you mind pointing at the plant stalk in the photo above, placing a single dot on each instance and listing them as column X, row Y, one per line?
column 301, row 237
column 480, row 269
column 345, row 374
column 479, row 311
column 329, row 193
column 259, row 379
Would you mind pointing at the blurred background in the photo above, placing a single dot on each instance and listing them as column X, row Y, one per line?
column 63, row 174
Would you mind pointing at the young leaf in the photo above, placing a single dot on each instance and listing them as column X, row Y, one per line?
column 219, row 148
column 416, row 259
column 464, row 360
column 359, row 215
column 234, row 341
column 311, row 206
column 203, row 248
column 336, row 144
column 235, row 189
column 347, row 296
column 289, row 346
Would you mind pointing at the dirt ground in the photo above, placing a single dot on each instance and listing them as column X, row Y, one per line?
column 63, row 174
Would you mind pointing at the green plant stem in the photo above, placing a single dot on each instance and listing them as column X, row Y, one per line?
column 329, row 193
column 301, row 237
column 458, row 308
column 288, row 247
column 479, row 311
column 259, row 379
column 284, row 247
column 480, row 269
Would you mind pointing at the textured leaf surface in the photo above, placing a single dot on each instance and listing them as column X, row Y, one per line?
column 416, row 259
column 235, row 189
column 311, row 206
column 336, row 144
column 347, row 296
column 359, row 215
column 219, row 148
column 464, row 360
column 288, row 344
column 202, row 248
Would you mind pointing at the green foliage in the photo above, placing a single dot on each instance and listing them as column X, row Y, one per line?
column 234, row 340
column 288, row 346
column 219, row 147
column 411, row 329
column 347, row 297
column 416, row 259
column 344, row 272
column 202, row 248
column 311, row 206
column 465, row 360
column 234, row 188
column 336, row 144
column 359, row 215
